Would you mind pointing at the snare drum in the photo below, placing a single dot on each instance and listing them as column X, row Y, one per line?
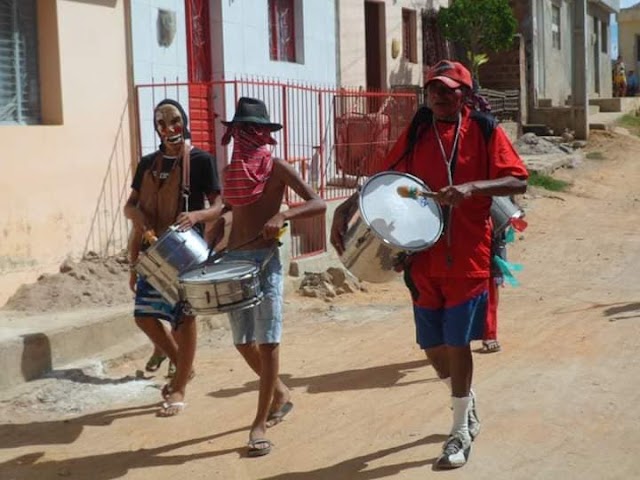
column 221, row 287
column 387, row 225
column 174, row 252
column 503, row 212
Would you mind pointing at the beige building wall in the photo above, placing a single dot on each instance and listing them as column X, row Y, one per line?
column 53, row 174
column 628, row 33
column 352, row 50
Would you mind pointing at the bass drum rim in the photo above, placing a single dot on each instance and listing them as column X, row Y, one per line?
column 379, row 236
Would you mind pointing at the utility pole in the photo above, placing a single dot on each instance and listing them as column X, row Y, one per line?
column 579, row 96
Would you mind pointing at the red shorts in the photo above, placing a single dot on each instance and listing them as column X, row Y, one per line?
column 435, row 293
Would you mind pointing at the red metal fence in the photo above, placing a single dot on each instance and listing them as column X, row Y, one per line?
column 333, row 137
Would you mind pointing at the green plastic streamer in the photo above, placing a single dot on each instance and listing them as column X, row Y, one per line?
column 507, row 268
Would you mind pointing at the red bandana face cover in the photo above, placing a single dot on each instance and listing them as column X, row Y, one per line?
column 251, row 164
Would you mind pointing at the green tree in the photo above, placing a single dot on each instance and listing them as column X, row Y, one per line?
column 478, row 26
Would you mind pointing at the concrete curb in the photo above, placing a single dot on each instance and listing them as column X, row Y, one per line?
column 31, row 346
column 34, row 345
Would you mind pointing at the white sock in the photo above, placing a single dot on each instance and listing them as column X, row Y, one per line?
column 461, row 407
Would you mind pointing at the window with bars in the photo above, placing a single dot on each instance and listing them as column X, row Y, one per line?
column 282, row 31
column 19, row 78
column 409, row 35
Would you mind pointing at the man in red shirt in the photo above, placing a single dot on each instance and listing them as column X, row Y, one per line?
column 466, row 158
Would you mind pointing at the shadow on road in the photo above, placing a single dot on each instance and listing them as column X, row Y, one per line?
column 356, row 468
column 383, row 376
column 64, row 431
column 109, row 466
column 622, row 311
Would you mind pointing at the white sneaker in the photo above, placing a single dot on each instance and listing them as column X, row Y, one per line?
column 472, row 419
column 455, row 452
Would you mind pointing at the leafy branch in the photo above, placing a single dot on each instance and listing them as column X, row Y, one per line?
column 478, row 26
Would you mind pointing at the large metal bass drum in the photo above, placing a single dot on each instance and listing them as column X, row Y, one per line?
column 388, row 225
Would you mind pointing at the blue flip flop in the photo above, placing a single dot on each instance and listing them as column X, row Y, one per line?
column 276, row 417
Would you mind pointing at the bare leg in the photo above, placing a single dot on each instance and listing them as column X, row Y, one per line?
column 270, row 362
column 171, row 372
column 439, row 358
column 461, row 365
column 186, row 353
column 161, row 339
column 157, row 351
column 251, row 354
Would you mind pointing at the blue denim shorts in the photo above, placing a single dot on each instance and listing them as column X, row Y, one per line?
column 263, row 322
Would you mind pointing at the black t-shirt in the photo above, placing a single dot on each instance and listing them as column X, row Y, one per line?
column 203, row 176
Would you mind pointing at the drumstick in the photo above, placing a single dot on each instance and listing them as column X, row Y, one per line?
column 413, row 192
column 224, row 251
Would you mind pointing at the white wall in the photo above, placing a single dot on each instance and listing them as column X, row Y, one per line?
column 153, row 63
column 245, row 26
column 240, row 47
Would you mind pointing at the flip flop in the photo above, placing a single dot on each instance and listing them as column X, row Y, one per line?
column 154, row 362
column 276, row 417
column 255, row 450
column 491, row 346
column 167, row 390
column 171, row 409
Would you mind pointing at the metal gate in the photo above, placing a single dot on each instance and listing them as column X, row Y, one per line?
column 333, row 137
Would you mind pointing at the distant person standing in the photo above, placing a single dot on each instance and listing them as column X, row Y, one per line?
column 619, row 78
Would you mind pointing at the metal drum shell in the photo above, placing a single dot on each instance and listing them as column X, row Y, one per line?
column 207, row 296
column 503, row 210
column 174, row 252
column 368, row 255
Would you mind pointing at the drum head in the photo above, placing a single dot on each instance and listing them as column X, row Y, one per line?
column 220, row 271
column 407, row 223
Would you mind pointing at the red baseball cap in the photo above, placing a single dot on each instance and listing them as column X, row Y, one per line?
column 452, row 74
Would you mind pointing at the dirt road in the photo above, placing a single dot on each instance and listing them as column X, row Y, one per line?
column 561, row 401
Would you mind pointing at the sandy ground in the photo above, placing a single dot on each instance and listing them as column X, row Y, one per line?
column 560, row 401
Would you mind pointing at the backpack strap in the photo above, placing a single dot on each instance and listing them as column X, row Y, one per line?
column 486, row 122
column 423, row 116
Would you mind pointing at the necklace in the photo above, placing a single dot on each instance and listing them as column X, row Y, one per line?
column 449, row 160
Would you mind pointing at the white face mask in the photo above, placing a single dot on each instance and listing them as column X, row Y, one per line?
column 170, row 126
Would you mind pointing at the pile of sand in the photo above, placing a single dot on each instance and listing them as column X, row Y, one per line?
column 329, row 284
column 92, row 282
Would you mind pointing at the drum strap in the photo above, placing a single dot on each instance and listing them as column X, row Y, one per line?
column 186, row 174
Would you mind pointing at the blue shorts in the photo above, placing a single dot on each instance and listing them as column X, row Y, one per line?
column 150, row 303
column 453, row 321
column 263, row 322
